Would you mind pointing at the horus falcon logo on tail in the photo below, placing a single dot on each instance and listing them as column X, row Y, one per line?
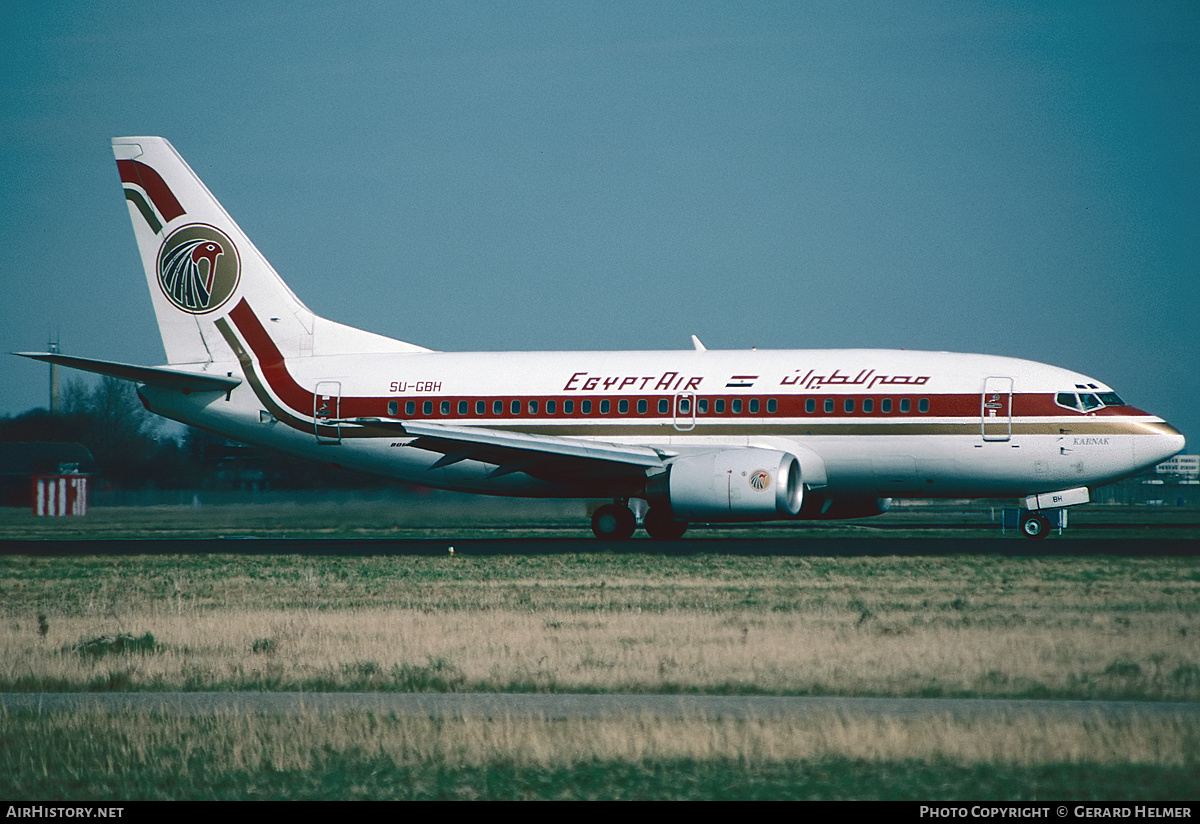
column 198, row 268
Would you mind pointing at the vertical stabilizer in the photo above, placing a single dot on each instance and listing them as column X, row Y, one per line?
column 200, row 266
column 198, row 263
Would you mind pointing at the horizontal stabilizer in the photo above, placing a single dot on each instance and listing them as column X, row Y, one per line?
column 163, row 376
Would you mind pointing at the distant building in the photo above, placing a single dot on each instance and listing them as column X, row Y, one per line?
column 1181, row 466
column 20, row 462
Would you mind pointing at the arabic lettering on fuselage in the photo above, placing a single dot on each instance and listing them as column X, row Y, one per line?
column 866, row 378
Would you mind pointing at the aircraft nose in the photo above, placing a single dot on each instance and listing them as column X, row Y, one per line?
column 1166, row 442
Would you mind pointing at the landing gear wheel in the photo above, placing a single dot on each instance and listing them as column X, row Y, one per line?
column 661, row 526
column 1035, row 525
column 614, row 522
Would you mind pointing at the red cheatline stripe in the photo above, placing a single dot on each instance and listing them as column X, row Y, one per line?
column 270, row 359
column 965, row 406
column 152, row 183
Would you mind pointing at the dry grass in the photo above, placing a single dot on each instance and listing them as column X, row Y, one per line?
column 93, row 755
column 1047, row 627
column 295, row 742
column 505, row 650
column 1082, row 628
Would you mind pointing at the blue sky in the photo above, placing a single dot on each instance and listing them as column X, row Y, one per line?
column 1011, row 178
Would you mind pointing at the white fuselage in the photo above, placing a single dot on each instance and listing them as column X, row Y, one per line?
column 868, row 423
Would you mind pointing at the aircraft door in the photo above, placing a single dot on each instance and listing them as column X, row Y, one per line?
column 327, row 404
column 685, row 411
column 995, row 409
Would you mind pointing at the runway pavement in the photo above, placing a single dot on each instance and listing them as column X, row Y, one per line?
column 574, row 706
column 817, row 547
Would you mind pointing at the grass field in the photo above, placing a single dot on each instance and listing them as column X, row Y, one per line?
column 354, row 755
column 1047, row 627
column 1102, row 627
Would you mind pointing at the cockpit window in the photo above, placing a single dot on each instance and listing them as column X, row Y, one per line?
column 1088, row 401
column 1068, row 400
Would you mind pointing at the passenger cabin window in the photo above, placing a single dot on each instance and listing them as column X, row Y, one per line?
column 515, row 407
column 480, row 407
column 642, row 406
column 905, row 405
column 393, row 407
column 868, row 405
column 772, row 406
column 463, row 406
column 664, row 406
column 604, row 406
column 753, row 405
column 585, row 407
column 735, row 406
column 497, row 407
column 445, row 407
column 719, row 406
column 427, row 408
column 848, row 405
column 410, row 407
column 810, row 405
column 885, row 405
column 551, row 407
column 828, row 405
column 533, row 407
column 702, row 406
column 623, row 406
column 923, row 405
column 568, row 407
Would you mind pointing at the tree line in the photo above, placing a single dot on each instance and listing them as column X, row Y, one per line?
column 134, row 449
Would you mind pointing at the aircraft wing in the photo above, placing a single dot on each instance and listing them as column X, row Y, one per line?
column 543, row 456
column 155, row 375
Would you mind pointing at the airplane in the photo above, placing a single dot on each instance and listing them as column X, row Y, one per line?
column 696, row 435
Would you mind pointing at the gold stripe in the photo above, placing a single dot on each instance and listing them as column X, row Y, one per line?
column 813, row 430
column 609, row 428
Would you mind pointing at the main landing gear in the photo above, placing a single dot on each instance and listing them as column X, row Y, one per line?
column 659, row 525
column 616, row 522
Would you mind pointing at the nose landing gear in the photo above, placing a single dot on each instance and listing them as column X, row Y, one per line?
column 1034, row 525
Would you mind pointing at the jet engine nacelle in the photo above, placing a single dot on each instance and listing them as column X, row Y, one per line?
column 735, row 485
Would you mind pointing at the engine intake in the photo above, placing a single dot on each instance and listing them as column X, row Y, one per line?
column 735, row 485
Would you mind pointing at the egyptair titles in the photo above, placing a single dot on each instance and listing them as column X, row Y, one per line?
column 867, row 378
column 678, row 382
column 666, row 382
